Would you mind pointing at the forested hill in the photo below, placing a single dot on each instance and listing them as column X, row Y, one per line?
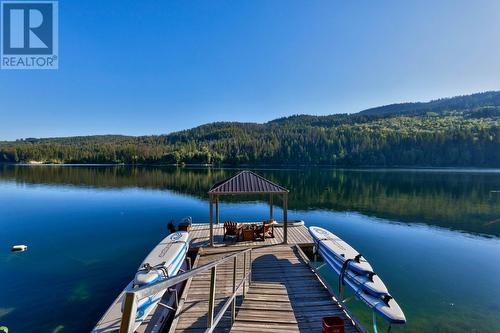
column 458, row 131
column 490, row 98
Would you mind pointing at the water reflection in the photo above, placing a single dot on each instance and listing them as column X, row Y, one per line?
column 88, row 228
column 459, row 200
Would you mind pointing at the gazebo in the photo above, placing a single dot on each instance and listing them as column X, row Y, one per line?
column 243, row 183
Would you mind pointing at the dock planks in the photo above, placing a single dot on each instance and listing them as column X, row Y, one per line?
column 200, row 233
column 285, row 294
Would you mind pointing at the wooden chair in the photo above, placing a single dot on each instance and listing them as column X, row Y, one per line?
column 231, row 229
column 265, row 230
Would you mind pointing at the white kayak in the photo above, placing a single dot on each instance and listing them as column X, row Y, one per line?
column 372, row 284
column 340, row 253
column 162, row 262
column 358, row 276
column 341, row 250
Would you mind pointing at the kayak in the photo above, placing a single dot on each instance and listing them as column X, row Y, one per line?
column 357, row 274
column 371, row 284
column 340, row 253
column 341, row 250
column 163, row 262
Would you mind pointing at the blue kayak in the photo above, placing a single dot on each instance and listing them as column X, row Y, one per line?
column 357, row 274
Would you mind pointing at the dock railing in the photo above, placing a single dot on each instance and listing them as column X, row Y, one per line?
column 134, row 296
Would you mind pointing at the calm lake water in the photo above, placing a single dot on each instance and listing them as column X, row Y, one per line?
column 432, row 235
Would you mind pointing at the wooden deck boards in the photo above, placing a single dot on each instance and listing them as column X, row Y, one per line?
column 285, row 294
column 282, row 280
column 200, row 233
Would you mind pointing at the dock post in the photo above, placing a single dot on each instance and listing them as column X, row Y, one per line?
column 285, row 218
column 211, row 221
column 271, row 218
column 233, row 304
column 217, row 209
column 244, row 273
column 211, row 300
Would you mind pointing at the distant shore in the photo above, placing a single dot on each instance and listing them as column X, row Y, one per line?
column 264, row 166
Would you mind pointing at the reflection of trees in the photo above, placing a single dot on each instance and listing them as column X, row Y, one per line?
column 448, row 199
column 452, row 200
column 188, row 181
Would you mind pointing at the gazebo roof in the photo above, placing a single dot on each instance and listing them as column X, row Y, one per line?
column 246, row 182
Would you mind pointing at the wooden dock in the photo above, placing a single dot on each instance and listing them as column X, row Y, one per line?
column 200, row 234
column 284, row 294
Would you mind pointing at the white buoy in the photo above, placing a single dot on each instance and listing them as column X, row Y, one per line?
column 19, row 248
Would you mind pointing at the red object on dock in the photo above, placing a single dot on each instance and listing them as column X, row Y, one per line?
column 333, row 325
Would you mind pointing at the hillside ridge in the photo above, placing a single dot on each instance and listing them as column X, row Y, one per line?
column 457, row 131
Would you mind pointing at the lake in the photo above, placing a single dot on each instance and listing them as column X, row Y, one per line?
column 432, row 236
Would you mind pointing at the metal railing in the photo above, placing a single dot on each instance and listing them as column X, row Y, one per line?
column 132, row 297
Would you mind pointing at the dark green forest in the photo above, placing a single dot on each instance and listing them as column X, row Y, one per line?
column 458, row 131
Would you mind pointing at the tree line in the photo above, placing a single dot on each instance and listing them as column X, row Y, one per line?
column 466, row 134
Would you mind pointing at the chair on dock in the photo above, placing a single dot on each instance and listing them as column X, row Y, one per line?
column 265, row 230
column 232, row 229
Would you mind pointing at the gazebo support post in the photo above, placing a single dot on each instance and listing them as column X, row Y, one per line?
column 270, row 207
column 211, row 221
column 285, row 218
column 217, row 209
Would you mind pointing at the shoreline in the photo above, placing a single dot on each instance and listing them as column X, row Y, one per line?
column 266, row 166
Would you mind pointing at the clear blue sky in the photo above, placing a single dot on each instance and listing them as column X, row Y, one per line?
column 152, row 67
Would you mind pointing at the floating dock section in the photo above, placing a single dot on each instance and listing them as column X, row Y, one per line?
column 282, row 294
